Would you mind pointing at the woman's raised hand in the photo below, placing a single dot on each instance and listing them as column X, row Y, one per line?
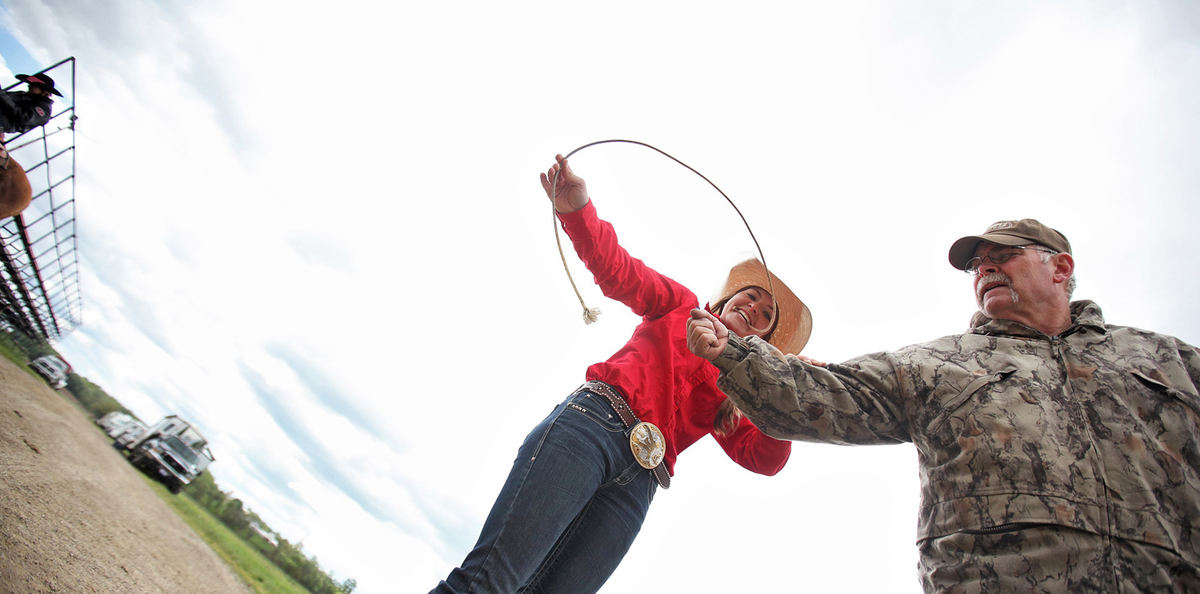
column 568, row 191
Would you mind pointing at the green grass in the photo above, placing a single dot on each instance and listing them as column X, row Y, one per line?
column 12, row 352
column 254, row 569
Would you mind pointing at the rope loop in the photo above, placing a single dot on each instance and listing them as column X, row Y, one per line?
column 590, row 314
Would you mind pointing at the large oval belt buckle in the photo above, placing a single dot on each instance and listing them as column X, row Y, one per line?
column 648, row 445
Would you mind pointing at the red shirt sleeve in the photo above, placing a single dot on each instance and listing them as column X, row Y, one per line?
column 750, row 448
column 754, row 450
column 619, row 275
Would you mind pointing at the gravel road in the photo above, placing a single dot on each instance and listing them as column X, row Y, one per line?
column 76, row 517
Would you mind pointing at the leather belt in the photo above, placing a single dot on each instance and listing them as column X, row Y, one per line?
column 645, row 440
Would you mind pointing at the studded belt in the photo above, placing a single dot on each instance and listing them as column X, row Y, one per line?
column 645, row 439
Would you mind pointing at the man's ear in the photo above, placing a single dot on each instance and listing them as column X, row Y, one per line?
column 1064, row 267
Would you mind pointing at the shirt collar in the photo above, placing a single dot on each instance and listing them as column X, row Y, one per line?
column 1084, row 313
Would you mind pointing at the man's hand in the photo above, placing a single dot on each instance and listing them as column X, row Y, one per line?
column 706, row 335
column 567, row 189
column 806, row 359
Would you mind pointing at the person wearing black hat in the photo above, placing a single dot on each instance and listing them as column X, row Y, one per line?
column 21, row 111
column 1058, row 453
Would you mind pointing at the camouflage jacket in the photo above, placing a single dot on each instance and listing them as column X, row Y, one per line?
column 1097, row 429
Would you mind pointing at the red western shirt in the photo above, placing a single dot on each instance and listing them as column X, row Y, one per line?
column 663, row 381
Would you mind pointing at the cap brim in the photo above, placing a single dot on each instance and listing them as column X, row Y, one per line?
column 963, row 250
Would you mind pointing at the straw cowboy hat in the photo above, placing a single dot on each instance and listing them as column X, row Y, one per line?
column 793, row 322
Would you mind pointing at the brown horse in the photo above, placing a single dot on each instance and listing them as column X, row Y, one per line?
column 15, row 192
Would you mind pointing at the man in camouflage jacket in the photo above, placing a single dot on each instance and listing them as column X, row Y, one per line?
column 1057, row 453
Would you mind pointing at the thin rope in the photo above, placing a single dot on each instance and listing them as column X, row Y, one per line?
column 590, row 314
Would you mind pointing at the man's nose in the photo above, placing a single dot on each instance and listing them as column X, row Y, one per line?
column 987, row 265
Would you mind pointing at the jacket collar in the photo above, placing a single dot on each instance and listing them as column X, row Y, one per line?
column 1084, row 313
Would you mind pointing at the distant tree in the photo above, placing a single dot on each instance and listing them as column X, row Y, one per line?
column 234, row 516
column 93, row 398
column 204, row 491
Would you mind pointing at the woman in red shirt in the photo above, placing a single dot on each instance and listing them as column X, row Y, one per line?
column 584, row 478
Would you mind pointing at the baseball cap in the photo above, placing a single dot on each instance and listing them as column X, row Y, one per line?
column 1022, row 232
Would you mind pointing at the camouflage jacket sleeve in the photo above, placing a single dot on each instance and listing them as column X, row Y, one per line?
column 789, row 399
column 1097, row 428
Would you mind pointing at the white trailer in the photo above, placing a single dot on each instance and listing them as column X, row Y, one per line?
column 53, row 369
column 171, row 450
column 116, row 422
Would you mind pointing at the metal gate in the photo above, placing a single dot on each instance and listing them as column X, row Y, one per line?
column 39, row 271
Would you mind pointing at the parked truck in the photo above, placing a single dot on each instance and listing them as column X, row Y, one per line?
column 117, row 422
column 128, row 435
column 53, row 369
column 171, row 450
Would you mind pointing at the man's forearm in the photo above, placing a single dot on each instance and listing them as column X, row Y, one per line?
column 788, row 398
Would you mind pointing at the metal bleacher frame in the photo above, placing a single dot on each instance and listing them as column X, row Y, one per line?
column 39, row 269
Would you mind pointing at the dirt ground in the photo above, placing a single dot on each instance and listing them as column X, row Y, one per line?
column 76, row 517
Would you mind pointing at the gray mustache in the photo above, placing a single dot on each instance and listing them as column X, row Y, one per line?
column 988, row 279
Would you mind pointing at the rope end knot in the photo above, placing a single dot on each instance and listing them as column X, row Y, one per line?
column 590, row 314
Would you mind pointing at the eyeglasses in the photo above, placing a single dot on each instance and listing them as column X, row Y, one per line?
column 1002, row 256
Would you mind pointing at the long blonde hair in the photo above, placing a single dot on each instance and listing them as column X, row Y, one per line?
column 727, row 418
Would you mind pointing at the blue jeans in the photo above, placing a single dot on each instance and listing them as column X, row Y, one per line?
column 569, row 510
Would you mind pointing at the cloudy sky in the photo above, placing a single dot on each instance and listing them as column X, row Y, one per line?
column 316, row 231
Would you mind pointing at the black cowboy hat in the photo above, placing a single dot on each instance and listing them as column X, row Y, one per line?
column 40, row 80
